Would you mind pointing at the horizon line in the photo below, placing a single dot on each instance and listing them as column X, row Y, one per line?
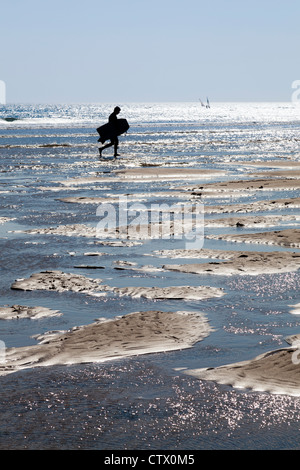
column 136, row 102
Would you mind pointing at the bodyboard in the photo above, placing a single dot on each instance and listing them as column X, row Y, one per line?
column 107, row 131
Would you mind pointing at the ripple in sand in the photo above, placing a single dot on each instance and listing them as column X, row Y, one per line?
column 257, row 206
column 21, row 311
column 276, row 372
column 58, row 281
column 234, row 262
column 174, row 292
column 132, row 334
column 289, row 238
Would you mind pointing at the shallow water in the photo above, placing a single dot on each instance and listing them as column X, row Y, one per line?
column 142, row 402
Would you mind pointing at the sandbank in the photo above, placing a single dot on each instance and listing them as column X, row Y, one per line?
column 289, row 238
column 16, row 312
column 167, row 173
column 233, row 262
column 127, row 235
column 284, row 163
column 145, row 174
column 58, row 281
column 61, row 282
column 264, row 184
column 174, row 292
column 150, row 231
column 102, row 200
column 276, row 372
column 253, row 221
column 293, row 173
column 257, row 206
column 117, row 243
column 83, row 180
column 133, row 197
column 129, row 232
column 3, row 220
column 104, row 340
column 295, row 309
column 77, row 230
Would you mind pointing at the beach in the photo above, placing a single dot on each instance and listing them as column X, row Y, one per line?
column 169, row 275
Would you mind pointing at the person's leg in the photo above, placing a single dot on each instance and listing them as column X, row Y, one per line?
column 116, row 143
column 105, row 147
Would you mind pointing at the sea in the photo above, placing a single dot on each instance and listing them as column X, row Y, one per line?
column 142, row 402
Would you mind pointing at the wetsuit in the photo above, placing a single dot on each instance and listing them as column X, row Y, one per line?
column 113, row 121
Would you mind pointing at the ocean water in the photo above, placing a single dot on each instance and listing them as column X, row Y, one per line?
column 141, row 402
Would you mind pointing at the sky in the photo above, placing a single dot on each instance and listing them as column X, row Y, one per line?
column 122, row 51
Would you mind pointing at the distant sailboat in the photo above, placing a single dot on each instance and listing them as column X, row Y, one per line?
column 207, row 105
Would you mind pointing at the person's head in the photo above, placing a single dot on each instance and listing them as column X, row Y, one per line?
column 117, row 110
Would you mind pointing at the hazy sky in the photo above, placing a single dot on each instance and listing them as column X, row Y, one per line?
column 84, row 51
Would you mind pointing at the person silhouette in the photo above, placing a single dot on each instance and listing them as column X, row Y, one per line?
column 114, row 141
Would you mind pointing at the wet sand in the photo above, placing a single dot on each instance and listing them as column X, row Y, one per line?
column 58, row 281
column 145, row 174
column 168, row 173
column 253, row 221
column 295, row 309
column 289, row 238
column 247, row 263
column 256, row 206
column 261, row 184
column 175, row 292
column 292, row 173
column 284, row 163
column 16, row 312
column 129, row 335
column 275, row 371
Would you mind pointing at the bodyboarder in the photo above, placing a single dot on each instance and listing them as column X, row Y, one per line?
column 114, row 141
